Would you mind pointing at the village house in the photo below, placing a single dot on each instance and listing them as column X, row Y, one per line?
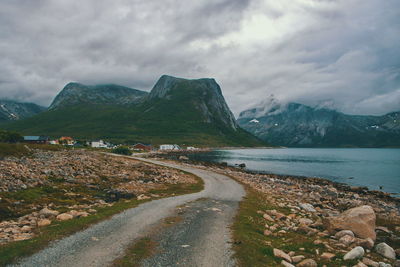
column 54, row 142
column 98, row 144
column 142, row 147
column 36, row 139
column 66, row 140
column 169, row 147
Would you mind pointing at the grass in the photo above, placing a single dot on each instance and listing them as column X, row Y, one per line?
column 20, row 149
column 144, row 247
column 10, row 252
column 13, row 150
column 141, row 249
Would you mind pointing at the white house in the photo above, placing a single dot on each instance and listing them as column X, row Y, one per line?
column 169, row 147
column 99, row 144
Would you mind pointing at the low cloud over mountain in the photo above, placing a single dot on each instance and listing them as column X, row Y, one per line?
column 345, row 52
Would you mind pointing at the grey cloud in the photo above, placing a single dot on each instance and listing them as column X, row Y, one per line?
column 344, row 52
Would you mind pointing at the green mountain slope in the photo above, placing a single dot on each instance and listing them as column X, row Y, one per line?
column 191, row 112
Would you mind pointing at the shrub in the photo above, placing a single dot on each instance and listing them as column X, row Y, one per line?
column 123, row 150
column 10, row 137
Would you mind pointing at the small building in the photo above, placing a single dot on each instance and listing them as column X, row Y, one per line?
column 142, row 147
column 98, row 144
column 36, row 139
column 54, row 142
column 66, row 140
column 169, row 147
column 191, row 148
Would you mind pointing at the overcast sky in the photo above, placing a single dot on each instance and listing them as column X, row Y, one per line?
column 345, row 53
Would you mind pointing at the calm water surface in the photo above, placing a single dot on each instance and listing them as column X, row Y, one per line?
column 359, row 166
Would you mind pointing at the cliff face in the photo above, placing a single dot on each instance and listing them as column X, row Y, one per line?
column 11, row 110
column 205, row 95
column 299, row 125
column 107, row 94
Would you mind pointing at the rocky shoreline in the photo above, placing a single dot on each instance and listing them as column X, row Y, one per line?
column 350, row 226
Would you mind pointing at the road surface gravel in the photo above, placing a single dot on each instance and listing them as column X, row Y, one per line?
column 203, row 237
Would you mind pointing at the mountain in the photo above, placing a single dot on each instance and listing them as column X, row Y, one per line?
column 12, row 110
column 75, row 94
column 176, row 110
column 297, row 125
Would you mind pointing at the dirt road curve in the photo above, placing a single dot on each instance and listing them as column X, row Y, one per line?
column 202, row 238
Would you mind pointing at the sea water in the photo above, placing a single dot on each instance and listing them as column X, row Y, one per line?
column 375, row 168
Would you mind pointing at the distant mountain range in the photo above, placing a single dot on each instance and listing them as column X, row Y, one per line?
column 176, row 110
column 12, row 110
column 297, row 125
column 194, row 112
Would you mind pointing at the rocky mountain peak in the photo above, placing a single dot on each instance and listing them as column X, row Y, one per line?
column 12, row 110
column 204, row 94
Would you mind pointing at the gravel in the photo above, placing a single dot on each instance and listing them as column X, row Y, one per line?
column 208, row 241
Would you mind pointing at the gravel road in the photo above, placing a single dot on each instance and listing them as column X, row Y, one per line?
column 201, row 239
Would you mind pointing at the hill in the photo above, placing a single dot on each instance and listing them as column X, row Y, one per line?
column 182, row 111
column 78, row 94
column 12, row 110
column 297, row 125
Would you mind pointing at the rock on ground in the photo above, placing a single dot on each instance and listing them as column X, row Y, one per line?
column 355, row 253
column 360, row 220
column 386, row 251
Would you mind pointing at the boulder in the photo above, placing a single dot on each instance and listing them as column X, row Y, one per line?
column 305, row 221
column 342, row 233
column 287, row 264
column 383, row 264
column 360, row 220
column 268, row 218
column 48, row 212
column 267, row 232
column 296, row 259
column 26, row 228
column 355, row 253
column 307, row 263
column 64, row 217
column 43, row 222
column 386, row 251
column 346, row 240
column 307, row 207
column 327, row 256
column 370, row 262
column 367, row 243
column 280, row 254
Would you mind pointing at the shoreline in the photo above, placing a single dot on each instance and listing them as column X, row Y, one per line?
column 172, row 155
column 291, row 216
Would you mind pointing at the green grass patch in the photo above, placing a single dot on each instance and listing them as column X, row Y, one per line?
column 141, row 250
column 13, row 150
